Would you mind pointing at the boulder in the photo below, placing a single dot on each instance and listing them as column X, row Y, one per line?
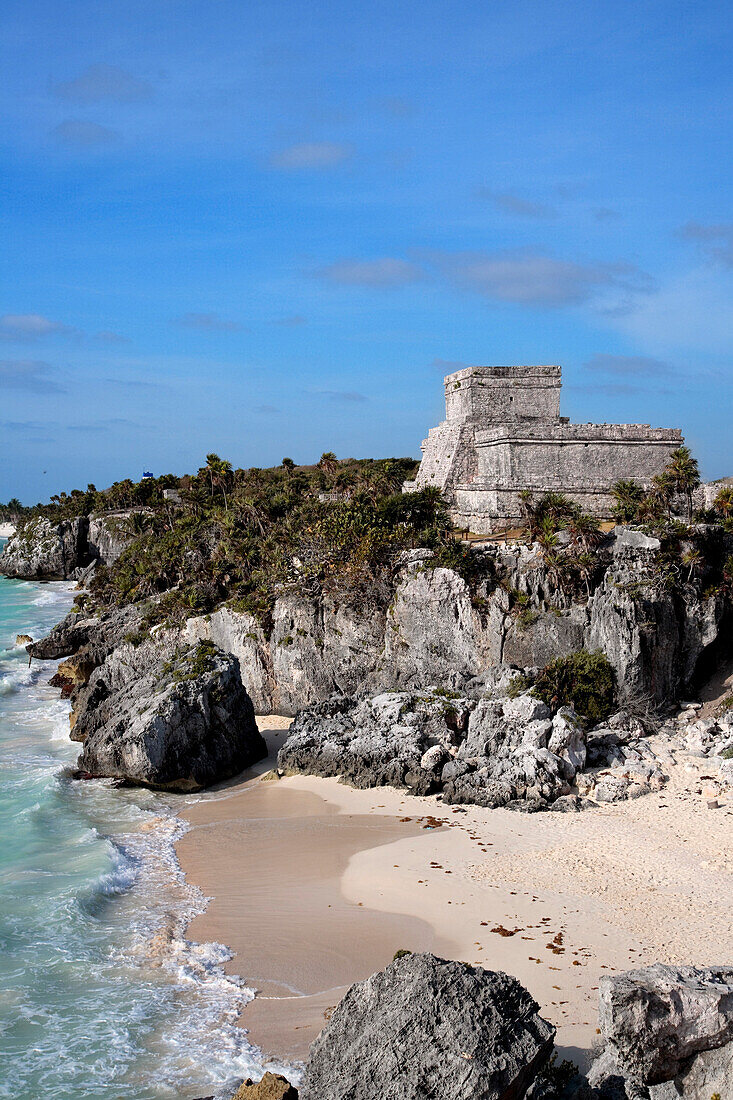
column 655, row 1019
column 177, row 724
column 425, row 1027
column 270, row 1087
column 379, row 741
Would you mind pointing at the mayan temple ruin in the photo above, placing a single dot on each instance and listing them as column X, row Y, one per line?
column 503, row 433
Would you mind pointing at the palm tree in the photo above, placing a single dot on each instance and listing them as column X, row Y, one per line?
column 683, row 470
column 693, row 559
column 328, row 462
column 723, row 502
column 584, row 530
column 219, row 474
column 663, row 490
column 628, row 495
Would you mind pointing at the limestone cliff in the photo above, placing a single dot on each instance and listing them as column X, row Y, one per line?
column 43, row 550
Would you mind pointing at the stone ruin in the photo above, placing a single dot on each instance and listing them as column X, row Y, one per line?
column 503, row 433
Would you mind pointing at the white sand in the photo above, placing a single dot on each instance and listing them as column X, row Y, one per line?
column 6, row 530
column 581, row 894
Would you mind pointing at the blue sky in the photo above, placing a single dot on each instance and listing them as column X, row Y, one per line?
column 268, row 229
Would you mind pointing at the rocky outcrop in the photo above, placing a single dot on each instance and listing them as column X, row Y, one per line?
column 42, row 550
column 667, row 1029
column 433, row 628
column 398, row 739
column 163, row 717
column 108, row 535
column 272, row 1086
column 486, row 751
column 425, row 1027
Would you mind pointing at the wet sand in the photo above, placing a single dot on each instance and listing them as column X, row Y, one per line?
column 315, row 885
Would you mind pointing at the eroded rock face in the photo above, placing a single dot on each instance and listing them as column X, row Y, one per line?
column 425, row 1027
column 398, row 739
column 655, row 1019
column 108, row 535
column 491, row 752
column 41, row 550
column 168, row 718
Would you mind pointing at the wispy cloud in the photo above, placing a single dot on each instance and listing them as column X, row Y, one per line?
column 343, row 396
column 638, row 366
column 32, row 326
column 266, row 409
column 312, row 154
column 104, row 82
column 715, row 240
column 606, row 214
column 208, row 322
column 107, row 337
column 295, row 321
column 83, row 134
column 510, row 203
column 30, row 375
column 448, row 366
column 532, row 278
column 384, row 272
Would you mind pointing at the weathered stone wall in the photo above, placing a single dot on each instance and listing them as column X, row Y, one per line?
column 495, row 395
column 504, row 434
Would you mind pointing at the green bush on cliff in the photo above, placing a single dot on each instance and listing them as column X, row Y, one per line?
column 244, row 537
column 584, row 680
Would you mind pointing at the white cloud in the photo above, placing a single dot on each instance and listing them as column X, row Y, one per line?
column 510, row 203
column 715, row 240
column 104, row 82
column 32, row 326
column 532, row 278
column 690, row 315
column 314, row 154
column 84, row 134
column 384, row 272
column 28, row 374
column 208, row 322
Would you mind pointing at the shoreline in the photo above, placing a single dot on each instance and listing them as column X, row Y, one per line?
column 314, row 885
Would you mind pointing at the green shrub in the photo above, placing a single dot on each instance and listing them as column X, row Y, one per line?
column 400, row 954
column 519, row 683
column 585, row 680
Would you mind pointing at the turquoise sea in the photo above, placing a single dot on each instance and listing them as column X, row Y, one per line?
column 101, row 996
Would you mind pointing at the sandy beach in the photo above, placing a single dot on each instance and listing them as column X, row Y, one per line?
column 315, row 885
column 6, row 530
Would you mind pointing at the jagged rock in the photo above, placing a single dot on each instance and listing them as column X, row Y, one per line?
column 176, row 724
column 96, row 635
column 270, row 1087
column 425, row 1027
column 544, row 637
column 378, row 741
column 23, row 639
column 109, row 534
column 42, row 550
column 435, row 635
column 700, row 1078
column 655, row 1019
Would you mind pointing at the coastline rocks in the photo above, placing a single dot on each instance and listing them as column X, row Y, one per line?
column 490, row 752
column 387, row 740
column 425, row 1027
column 177, row 724
column 272, row 1086
column 657, row 1021
column 41, row 550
